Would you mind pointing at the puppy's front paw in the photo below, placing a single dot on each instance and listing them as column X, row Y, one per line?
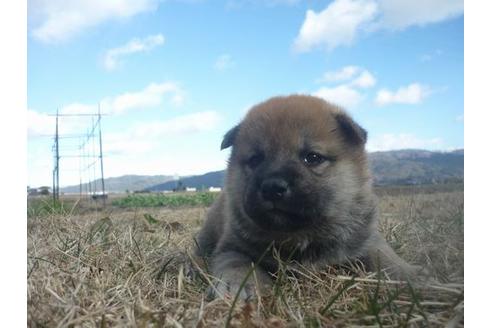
column 232, row 282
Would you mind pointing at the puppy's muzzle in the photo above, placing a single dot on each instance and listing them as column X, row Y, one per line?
column 275, row 189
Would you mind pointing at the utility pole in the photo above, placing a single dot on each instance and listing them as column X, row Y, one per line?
column 53, row 189
column 87, row 155
column 80, row 172
column 56, row 189
column 101, row 154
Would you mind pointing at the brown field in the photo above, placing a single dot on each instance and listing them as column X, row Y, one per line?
column 117, row 267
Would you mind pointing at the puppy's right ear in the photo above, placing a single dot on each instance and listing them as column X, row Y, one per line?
column 229, row 137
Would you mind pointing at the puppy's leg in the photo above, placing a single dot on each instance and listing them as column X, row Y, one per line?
column 232, row 269
column 382, row 256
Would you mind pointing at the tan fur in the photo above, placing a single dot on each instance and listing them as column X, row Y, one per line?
column 327, row 213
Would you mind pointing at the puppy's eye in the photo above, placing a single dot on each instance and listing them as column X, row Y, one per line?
column 313, row 159
column 255, row 160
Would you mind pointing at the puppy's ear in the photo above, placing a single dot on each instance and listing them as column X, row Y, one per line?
column 229, row 137
column 352, row 132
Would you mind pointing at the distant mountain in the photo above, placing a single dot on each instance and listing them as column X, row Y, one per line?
column 124, row 183
column 404, row 167
column 211, row 179
column 410, row 166
column 416, row 166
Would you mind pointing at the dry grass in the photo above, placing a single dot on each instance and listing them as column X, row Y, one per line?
column 123, row 269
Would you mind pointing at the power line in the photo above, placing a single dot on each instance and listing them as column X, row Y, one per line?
column 89, row 155
column 77, row 115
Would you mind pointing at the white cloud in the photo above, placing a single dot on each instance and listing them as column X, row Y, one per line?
column 151, row 96
column 77, row 108
column 399, row 14
column 411, row 94
column 343, row 74
column 336, row 25
column 59, row 20
column 224, row 62
column 402, row 141
column 342, row 95
column 346, row 94
column 145, row 137
column 39, row 123
column 124, row 143
column 340, row 22
column 361, row 78
column 192, row 123
column 364, row 80
column 42, row 124
column 237, row 4
column 112, row 57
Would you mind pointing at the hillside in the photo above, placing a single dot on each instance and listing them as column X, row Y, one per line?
column 389, row 168
column 403, row 167
column 416, row 166
column 124, row 183
column 211, row 179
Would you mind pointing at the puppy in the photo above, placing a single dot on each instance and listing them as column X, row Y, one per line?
column 297, row 187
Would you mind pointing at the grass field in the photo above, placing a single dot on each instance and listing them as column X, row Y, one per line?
column 166, row 200
column 123, row 266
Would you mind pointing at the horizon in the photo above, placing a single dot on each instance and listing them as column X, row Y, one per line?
column 176, row 178
column 174, row 76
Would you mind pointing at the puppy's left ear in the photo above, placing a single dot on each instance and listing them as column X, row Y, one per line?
column 352, row 132
column 229, row 137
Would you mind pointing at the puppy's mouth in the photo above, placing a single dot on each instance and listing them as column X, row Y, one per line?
column 273, row 207
column 275, row 211
column 276, row 216
column 295, row 219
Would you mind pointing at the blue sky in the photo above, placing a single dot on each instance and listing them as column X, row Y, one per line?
column 174, row 76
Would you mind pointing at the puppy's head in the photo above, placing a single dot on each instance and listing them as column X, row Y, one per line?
column 296, row 163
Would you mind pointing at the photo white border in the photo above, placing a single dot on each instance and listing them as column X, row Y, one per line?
column 478, row 163
column 13, row 83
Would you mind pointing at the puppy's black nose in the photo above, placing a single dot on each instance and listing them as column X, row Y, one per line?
column 274, row 189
